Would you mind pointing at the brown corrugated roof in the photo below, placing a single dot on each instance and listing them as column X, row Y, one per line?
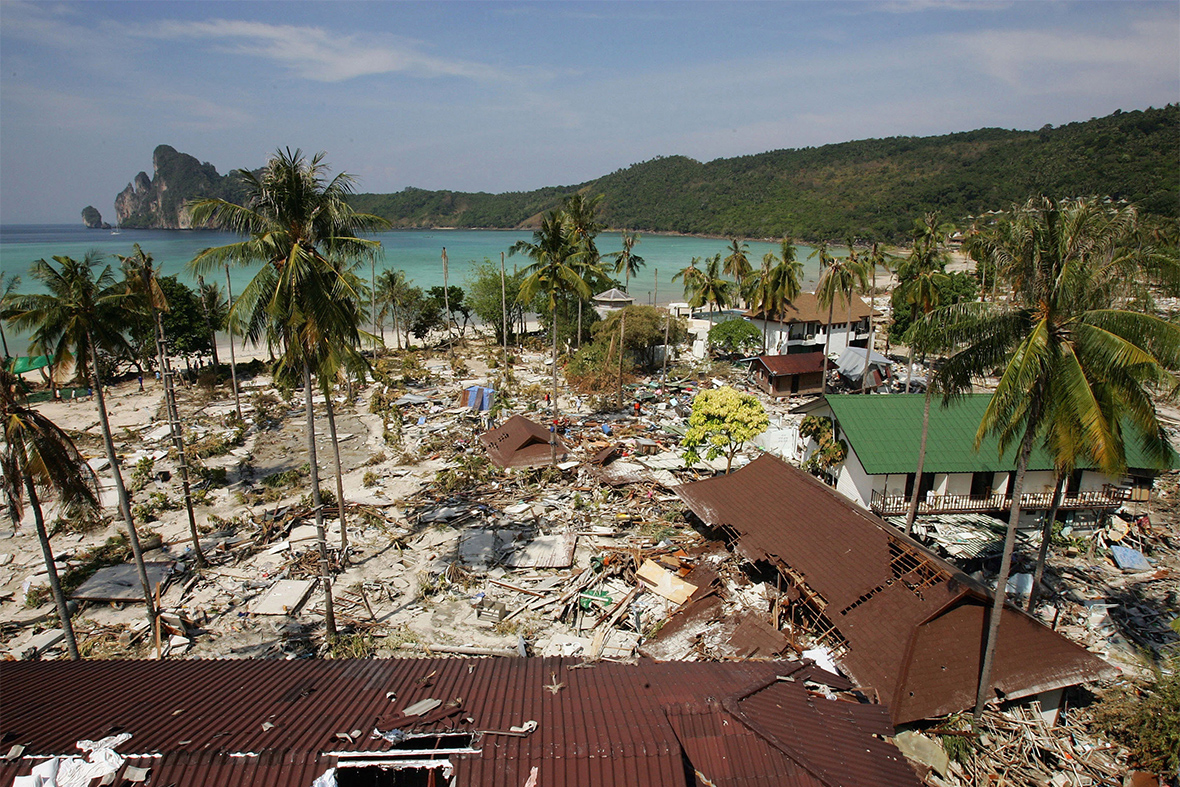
column 807, row 308
column 210, row 722
column 519, row 442
column 913, row 623
column 795, row 363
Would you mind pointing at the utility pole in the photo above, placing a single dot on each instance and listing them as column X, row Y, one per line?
column 504, row 314
column 447, row 305
column 667, row 350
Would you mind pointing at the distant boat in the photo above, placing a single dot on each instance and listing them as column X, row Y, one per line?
column 115, row 231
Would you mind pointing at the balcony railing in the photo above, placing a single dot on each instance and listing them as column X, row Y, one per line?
column 1109, row 496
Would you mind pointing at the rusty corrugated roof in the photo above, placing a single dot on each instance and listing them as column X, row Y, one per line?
column 236, row 723
column 794, row 363
column 913, row 623
column 519, row 442
column 807, row 308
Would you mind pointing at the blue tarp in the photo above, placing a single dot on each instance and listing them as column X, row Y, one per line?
column 477, row 397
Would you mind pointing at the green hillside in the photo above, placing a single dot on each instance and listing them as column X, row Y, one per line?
column 869, row 188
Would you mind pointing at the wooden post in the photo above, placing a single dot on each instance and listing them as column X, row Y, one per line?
column 233, row 366
column 504, row 314
column 447, row 305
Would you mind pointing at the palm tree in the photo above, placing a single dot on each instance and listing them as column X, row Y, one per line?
column 299, row 225
column 627, row 262
column 554, row 272
column 581, row 213
column 786, row 280
column 715, row 289
column 391, row 293
column 8, row 286
column 761, row 293
column 875, row 259
column 143, row 283
column 692, row 277
column 38, row 453
column 737, row 264
column 214, row 306
column 1077, row 364
column 839, row 278
column 80, row 313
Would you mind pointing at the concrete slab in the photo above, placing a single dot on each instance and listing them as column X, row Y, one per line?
column 284, row 598
column 121, row 583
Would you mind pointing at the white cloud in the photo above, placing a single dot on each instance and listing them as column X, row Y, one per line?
column 318, row 54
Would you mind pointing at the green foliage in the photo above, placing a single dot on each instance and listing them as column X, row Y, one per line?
column 735, row 337
column 286, row 478
column 484, row 296
column 829, row 451
column 722, row 420
column 1146, row 719
column 156, row 503
column 867, row 187
column 956, row 287
column 142, row 474
column 467, row 470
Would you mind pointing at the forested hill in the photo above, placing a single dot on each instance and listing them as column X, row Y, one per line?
column 870, row 188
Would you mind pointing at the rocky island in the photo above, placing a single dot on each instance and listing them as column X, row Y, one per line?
column 159, row 202
column 93, row 219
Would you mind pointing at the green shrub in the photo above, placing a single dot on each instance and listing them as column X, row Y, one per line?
column 1146, row 719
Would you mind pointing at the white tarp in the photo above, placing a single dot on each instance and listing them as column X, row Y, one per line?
column 851, row 362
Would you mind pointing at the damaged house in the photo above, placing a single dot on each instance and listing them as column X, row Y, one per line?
column 897, row 619
column 428, row 722
column 519, row 442
column 883, row 435
column 802, row 325
column 788, row 375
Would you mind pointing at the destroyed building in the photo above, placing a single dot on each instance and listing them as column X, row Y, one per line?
column 519, row 442
column 787, row 375
column 883, row 435
column 895, row 618
column 503, row 722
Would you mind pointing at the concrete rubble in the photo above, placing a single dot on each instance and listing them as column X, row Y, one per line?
column 448, row 554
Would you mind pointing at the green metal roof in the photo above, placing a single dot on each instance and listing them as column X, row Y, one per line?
column 885, row 431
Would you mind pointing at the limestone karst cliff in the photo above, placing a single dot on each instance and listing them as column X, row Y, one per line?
column 92, row 219
column 177, row 178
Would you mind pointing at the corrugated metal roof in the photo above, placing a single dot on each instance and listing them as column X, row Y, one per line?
column 796, row 363
column 886, row 432
column 806, row 308
column 519, row 442
column 237, row 723
column 907, row 616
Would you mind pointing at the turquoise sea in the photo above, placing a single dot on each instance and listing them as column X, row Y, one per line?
column 417, row 252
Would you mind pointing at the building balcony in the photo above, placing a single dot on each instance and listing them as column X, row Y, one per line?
column 1109, row 497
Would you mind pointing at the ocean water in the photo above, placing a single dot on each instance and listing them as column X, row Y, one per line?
column 417, row 252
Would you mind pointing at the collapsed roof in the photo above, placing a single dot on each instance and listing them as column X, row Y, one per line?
column 519, row 442
column 286, row 723
column 898, row 619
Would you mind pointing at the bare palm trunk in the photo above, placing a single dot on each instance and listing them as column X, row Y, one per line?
column 827, row 346
column 4, row 341
column 667, row 350
column 233, row 366
column 912, row 513
column 909, row 375
column 209, row 322
column 373, row 302
column 447, row 305
column 553, row 428
column 339, row 474
column 579, row 322
column 1046, row 535
column 317, row 504
column 864, row 375
column 504, row 316
column 59, row 598
column 120, row 489
column 993, row 626
column 622, row 334
column 177, row 431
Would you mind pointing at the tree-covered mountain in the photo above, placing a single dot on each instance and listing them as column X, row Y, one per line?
column 870, row 188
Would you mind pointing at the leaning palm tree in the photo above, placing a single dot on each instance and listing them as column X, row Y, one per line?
column 761, row 294
column 715, row 289
column 582, row 214
column 142, row 280
column 299, row 225
column 692, row 277
column 839, row 279
column 37, row 453
column 81, row 313
column 1079, row 367
column 628, row 263
column 737, row 262
column 553, row 273
column 8, row 286
column 876, row 258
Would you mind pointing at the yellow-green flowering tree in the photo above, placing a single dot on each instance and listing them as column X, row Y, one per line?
column 721, row 421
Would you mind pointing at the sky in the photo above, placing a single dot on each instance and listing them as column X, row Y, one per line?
column 509, row 96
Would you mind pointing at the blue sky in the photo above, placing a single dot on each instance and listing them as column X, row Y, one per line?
column 501, row 96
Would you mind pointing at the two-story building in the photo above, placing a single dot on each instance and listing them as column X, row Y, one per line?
column 802, row 326
column 883, row 436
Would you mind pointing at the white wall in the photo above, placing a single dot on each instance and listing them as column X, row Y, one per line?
column 853, row 482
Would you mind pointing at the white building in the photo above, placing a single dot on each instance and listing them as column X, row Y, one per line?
column 803, row 326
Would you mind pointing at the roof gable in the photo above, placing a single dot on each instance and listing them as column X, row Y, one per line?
column 885, row 432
